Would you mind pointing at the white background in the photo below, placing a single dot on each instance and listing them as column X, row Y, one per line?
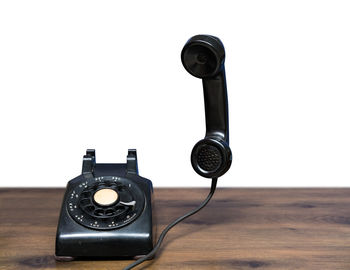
column 108, row 75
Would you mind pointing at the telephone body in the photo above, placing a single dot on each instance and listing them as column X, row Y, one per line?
column 106, row 211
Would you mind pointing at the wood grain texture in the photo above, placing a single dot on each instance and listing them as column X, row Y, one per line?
column 265, row 229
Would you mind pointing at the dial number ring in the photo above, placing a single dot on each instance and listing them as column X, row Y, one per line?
column 125, row 208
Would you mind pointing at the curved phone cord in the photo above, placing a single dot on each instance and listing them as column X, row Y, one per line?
column 167, row 229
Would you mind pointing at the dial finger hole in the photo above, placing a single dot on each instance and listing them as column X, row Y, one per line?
column 109, row 212
column 119, row 208
column 90, row 208
column 85, row 195
column 99, row 212
column 121, row 188
column 126, row 197
column 84, row 202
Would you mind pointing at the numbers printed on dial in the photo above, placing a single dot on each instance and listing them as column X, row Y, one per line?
column 105, row 202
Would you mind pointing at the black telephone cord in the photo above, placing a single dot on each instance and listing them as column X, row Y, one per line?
column 167, row 229
column 171, row 225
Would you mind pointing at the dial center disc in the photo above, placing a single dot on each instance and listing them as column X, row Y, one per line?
column 105, row 196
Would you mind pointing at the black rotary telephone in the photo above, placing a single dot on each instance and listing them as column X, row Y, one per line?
column 107, row 210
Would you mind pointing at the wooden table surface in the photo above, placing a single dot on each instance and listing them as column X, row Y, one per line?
column 239, row 229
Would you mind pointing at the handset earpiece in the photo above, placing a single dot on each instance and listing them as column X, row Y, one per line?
column 203, row 56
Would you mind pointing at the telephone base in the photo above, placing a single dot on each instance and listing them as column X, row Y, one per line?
column 106, row 212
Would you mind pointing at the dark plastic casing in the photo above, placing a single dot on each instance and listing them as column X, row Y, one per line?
column 136, row 238
column 203, row 56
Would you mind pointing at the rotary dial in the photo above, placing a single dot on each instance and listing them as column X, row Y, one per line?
column 105, row 202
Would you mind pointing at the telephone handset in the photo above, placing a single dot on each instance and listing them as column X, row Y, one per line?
column 107, row 210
